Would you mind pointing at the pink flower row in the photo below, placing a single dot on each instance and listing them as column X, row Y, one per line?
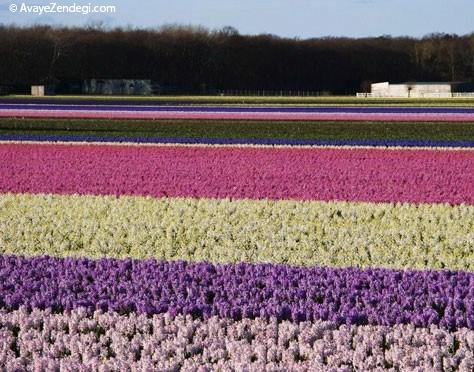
column 109, row 341
column 300, row 116
column 373, row 175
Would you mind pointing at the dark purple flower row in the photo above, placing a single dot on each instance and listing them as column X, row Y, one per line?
column 236, row 141
column 344, row 296
column 244, row 109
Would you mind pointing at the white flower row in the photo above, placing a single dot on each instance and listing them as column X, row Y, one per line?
column 76, row 341
column 292, row 232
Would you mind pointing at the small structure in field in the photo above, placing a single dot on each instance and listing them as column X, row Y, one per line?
column 420, row 89
column 41, row 90
column 117, row 87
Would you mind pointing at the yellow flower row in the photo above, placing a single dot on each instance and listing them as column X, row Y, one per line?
column 337, row 234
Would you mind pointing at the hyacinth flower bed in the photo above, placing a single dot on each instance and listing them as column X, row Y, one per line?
column 157, row 248
column 321, row 113
column 373, row 175
column 243, row 129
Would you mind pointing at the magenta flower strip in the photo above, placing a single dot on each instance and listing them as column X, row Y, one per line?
column 373, row 175
column 244, row 115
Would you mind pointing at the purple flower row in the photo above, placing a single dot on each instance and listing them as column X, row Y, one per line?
column 343, row 296
column 237, row 141
column 76, row 341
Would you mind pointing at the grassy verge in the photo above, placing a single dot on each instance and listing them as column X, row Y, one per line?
column 326, row 100
column 242, row 129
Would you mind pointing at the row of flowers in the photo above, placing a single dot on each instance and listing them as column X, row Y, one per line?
column 76, row 113
column 439, row 144
column 390, row 109
column 344, row 296
column 108, row 341
column 322, row 174
column 303, row 233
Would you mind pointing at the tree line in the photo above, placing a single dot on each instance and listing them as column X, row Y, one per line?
column 198, row 60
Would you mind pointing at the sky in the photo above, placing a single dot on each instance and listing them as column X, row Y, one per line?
column 286, row 18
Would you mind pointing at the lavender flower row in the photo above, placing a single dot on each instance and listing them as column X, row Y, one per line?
column 343, row 296
column 237, row 141
column 77, row 341
column 243, row 109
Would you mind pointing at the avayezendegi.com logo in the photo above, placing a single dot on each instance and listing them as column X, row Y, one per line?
column 57, row 8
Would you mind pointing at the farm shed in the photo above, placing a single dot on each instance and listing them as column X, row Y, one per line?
column 42, row 90
column 420, row 89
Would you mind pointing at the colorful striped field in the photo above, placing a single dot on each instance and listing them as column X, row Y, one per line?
column 238, row 113
column 225, row 252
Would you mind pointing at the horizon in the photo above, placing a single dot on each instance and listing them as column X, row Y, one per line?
column 310, row 19
column 109, row 28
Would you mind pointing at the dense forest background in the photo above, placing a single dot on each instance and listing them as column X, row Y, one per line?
column 196, row 60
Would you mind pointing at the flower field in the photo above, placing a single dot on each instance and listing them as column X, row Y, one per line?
column 285, row 238
column 321, row 113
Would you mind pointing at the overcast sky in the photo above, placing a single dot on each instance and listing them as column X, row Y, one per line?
column 290, row 18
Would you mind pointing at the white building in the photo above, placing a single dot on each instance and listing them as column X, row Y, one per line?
column 419, row 89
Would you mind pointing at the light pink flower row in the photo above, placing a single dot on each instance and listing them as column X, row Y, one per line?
column 108, row 341
column 300, row 116
column 373, row 175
